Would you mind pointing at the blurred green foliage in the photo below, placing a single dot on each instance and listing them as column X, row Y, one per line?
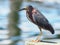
column 14, row 18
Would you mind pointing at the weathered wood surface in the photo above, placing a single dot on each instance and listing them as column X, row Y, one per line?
column 41, row 43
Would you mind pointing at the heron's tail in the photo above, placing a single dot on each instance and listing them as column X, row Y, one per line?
column 50, row 28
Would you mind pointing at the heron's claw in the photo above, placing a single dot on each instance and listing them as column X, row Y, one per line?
column 35, row 40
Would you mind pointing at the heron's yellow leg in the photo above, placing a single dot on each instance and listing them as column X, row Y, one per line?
column 39, row 36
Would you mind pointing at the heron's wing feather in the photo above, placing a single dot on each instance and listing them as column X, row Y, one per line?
column 41, row 21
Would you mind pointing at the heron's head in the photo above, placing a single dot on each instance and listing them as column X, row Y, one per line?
column 27, row 8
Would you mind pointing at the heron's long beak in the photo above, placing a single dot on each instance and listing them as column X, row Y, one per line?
column 23, row 9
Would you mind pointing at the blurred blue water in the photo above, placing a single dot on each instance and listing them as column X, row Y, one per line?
column 28, row 28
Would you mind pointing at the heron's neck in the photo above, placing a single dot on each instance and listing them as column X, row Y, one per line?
column 30, row 15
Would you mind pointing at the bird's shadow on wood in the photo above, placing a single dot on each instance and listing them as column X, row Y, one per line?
column 47, row 41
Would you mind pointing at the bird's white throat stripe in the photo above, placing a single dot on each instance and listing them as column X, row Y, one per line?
column 28, row 17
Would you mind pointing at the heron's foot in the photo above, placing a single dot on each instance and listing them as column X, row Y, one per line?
column 35, row 40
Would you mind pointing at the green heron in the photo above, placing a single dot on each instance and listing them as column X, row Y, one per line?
column 38, row 18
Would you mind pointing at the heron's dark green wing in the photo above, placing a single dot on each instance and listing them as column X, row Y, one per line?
column 41, row 21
